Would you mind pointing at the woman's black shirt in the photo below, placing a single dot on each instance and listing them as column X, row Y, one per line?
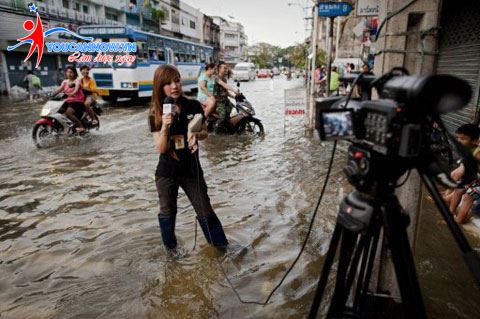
column 188, row 164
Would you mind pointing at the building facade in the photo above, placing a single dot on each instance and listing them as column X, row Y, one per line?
column 181, row 21
column 233, row 41
column 69, row 14
column 176, row 19
column 211, row 35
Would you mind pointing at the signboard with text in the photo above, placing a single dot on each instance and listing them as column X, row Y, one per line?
column 295, row 102
column 368, row 8
column 334, row 9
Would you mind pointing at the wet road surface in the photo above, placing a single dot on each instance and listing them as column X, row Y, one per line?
column 79, row 235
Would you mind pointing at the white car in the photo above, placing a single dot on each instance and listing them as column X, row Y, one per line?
column 244, row 72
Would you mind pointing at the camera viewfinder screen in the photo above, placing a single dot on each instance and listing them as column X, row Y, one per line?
column 337, row 125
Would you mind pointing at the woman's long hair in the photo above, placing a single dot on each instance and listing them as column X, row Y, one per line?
column 164, row 74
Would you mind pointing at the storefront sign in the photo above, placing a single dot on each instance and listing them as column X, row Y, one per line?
column 368, row 7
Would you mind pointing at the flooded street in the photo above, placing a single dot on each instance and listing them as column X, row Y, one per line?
column 79, row 236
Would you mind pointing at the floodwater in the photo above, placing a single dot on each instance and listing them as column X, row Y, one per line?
column 79, row 235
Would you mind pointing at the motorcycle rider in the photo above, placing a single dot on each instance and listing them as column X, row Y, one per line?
column 222, row 91
column 206, row 83
column 89, row 87
column 74, row 103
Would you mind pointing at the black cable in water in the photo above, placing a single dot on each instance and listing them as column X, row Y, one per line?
column 302, row 249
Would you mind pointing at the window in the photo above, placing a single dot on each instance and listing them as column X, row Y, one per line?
column 175, row 18
column 77, row 6
column 161, row 54
column 66, row 4
column 192, row 24
column 184, row 21
column 85, row 8
column 111, row 16
column 153, row 55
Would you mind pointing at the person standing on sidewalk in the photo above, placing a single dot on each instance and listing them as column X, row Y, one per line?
column 179, row 164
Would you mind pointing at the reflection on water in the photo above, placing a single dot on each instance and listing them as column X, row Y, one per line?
column 79, row 236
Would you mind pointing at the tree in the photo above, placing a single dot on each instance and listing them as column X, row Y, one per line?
column 264, row 55
column 299, row 55
column 321, row 58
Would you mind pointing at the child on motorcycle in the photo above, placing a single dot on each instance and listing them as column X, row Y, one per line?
column 74, row 103
column 206, row 83
column 221, row 92
column 89, row 87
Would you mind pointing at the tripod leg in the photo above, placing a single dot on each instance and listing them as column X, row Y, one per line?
column 366, row 271
column 395, row 232
column 340, row 295
column 363, row 251
column 327, row 266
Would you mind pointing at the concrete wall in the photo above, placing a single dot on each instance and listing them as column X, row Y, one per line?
column 401, row 43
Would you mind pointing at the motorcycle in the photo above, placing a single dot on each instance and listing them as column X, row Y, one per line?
column 54, row 124
column 241, row 123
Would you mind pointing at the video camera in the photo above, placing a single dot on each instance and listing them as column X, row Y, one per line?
column 390, row 136
column 397, row 128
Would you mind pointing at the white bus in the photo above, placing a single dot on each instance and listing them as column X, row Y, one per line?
column 135, row 80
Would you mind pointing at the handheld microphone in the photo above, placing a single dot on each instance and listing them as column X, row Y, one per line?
column 168, row 106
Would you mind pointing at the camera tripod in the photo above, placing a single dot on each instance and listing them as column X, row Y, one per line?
column 363, row 216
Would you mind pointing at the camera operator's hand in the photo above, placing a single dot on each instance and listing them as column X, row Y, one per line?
column 167, row 119
column 192, row 142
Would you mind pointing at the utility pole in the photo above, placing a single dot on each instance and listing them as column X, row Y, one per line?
column 329, row 53
column 313, row 66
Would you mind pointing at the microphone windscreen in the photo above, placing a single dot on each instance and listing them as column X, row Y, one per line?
column 167, row 105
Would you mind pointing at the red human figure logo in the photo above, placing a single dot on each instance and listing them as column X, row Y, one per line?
column 37, row 37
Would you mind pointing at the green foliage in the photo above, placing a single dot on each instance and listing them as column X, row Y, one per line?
column 157, row 14
column 321, row 58
column 265, row 55
column 299, row 55
column 268, row 55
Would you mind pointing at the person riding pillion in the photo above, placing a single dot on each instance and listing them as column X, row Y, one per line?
column 206, row 84
column 89, row 87
column 179, row 164
column 221, row 92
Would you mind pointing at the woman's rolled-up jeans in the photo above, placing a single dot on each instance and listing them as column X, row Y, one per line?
column 197, row 192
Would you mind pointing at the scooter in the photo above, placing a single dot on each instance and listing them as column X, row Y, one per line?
column 55, row 124
column 241, row 123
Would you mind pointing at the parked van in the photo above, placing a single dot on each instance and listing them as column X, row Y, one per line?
column 244, row 72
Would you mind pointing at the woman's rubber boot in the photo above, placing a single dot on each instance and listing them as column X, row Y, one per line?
column 167, row 228
column 213, row 230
